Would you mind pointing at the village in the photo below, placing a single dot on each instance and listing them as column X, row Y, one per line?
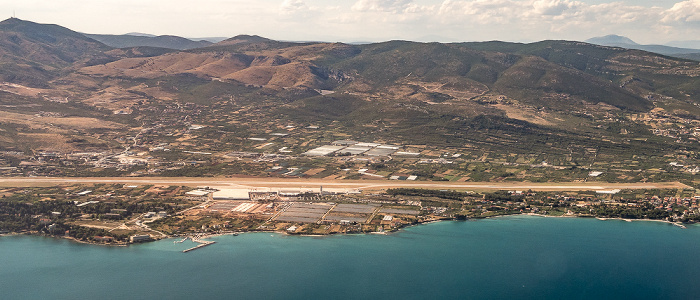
column 235, row 136
column 341, row 159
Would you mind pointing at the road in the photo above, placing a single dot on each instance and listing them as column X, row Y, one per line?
column 282, row 183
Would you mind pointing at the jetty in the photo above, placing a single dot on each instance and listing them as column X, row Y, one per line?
column 203, row 244
column 197, row 239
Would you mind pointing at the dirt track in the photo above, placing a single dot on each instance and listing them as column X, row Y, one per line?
column 335, row 184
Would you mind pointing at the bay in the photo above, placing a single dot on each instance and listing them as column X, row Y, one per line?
column 518, row 257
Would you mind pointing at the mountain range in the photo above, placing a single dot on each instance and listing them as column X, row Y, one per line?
column 681, row 49
column 551, row 96
column 162, row 41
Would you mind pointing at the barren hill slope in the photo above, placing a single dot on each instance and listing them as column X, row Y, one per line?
column 34, row 53
column 555, row 97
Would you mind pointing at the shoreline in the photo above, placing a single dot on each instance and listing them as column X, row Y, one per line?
column 677, row 224
column 235, row 233
column 71, row 239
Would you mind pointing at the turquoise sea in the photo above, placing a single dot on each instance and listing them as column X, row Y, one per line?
column 504, row 258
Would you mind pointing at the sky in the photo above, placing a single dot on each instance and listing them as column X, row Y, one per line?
column 644, row 21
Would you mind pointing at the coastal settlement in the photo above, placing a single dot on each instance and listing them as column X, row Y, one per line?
column 118, row 214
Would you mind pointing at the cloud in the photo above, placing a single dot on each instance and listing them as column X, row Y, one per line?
column 508, row 11
column 683, row 12
column 619, row 13
column 481, row 11
column 296, row 11
column 553, row 7
column 381, row 5
column 352, row 20
column 292, row 6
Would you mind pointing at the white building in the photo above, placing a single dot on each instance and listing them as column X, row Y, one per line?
column 232, row 194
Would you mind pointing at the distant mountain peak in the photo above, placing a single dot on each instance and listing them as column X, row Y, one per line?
column 12, row 23
column 10, row 20
column 161, row 41
column 15, row 22
column 140, row 34
column 244, row 38
column 623, row 42
column 611, row 39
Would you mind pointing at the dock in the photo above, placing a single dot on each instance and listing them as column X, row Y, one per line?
column 203, row 244
column 197, row 239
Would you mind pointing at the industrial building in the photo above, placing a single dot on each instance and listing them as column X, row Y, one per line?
column 345, row 147
column 231, row 194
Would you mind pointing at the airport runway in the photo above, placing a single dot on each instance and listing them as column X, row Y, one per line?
column 333, row 184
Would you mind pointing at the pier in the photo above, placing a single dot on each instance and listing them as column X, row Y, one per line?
column 196, row 239
column 203, row 244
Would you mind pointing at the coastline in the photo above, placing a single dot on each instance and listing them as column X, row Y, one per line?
column 71, row 239
column 678, row 224
column 204, row 235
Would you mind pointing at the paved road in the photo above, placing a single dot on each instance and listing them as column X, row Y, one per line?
column 281, row 183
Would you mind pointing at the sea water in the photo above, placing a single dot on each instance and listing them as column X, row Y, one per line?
column 504, row 258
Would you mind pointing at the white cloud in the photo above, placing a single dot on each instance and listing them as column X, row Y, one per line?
column 291, row 6
column 553, row 7
column 686, row 11
column 568, row 19
column 481, row 11
column 352, row 20
column 619, row 13
column 508, row 11
column 296, row 11
column 381, row 5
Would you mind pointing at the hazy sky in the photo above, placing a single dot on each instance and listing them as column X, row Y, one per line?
column 645, row 21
